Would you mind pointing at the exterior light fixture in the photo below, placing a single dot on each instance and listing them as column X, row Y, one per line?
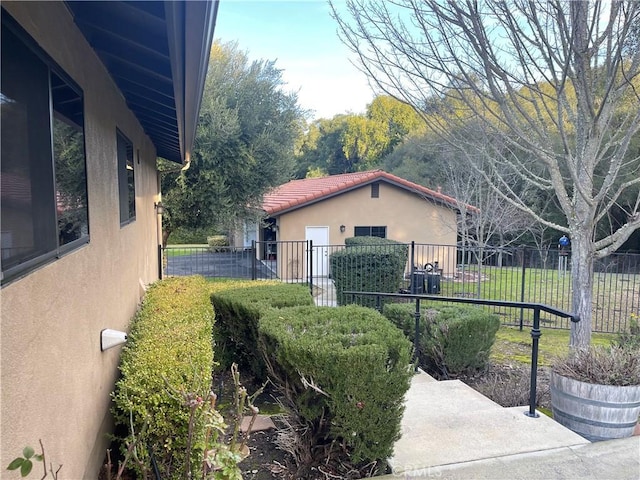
column 342, row 228
column 159, row 207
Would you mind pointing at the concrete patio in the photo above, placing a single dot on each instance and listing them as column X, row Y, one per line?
column 451, row 431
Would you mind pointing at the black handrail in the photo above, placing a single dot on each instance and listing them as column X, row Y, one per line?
column 535, row 330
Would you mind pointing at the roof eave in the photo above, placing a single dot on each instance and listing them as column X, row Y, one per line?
column 189, row 51
column 434, row 198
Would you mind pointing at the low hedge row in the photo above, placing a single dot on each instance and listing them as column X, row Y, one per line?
column 237, row 313
column 218, row 243
column 346, row 370
column 168, row 351
column 368, row 264
column 453, row 339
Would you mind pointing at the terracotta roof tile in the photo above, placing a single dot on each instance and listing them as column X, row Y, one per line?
column 298, row 193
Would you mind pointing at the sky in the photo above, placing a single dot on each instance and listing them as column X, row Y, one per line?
column 302, row 38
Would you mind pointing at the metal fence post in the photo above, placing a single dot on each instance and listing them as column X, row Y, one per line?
column 413, row 261
column 160, row 258
column 416, row 340
column 254, row 262
column 522, row 284
column 310, row 263
column 535, row 339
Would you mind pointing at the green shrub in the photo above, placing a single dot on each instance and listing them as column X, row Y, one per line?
column 237, row 313
column 369, row 241
column 169, row 350
column 453, row 339
column 217, row 243
column 630, row 339
column 181, row 236
column 368, row 264
column 345, row 370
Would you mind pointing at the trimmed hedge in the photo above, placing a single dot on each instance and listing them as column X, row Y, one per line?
column 360, row 363
column 182, row 236
column 369, row 241
column 218, row 243
column 453, row 339
column 169, row 343
column 237, row 313
column 368, row 264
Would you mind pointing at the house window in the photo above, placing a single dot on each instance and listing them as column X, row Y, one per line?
column 375, row 190
column 126, row 180
column 370, row 232
column 43, row 171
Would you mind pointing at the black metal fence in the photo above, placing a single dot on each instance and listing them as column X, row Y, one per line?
column 505, row 274
column 535, row 308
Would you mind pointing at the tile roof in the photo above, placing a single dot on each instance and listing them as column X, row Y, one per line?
column 299, row 193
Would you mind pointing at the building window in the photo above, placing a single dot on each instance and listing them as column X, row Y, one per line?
column 126, row 180
column 370, row 232
column 375, row 190
column 43, row 170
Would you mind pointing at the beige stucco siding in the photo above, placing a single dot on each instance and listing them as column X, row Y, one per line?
column 55, row 380
column 407, row 216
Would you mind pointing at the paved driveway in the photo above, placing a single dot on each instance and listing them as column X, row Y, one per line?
column 231, row 264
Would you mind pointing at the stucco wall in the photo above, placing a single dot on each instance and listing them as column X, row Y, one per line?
column 407, row 216
column 55, row 380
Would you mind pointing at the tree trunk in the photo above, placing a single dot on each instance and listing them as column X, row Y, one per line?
column 582, row 255
column 165, row 237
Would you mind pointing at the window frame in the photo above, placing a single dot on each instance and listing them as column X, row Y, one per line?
column 127, row 209
column 370, row 231
column 56, row 250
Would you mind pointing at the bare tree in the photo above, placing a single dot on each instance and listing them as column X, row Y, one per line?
column 556, row 82
column 486, row 225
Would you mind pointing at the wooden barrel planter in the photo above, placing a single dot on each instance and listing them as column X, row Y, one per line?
column 596, row 412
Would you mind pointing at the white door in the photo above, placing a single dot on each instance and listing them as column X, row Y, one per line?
column 250, row 233
column 319, row 237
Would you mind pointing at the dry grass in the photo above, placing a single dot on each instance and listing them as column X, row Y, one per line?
column 606, row 366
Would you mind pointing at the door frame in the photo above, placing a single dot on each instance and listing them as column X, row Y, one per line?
column 319, row 251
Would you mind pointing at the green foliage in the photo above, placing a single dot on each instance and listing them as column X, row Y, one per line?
column 350, row 143
column 453, row 339
column 169, row 350
column 188, row 236
column 25, row 462
column 346, row 371
column 238, row 312
column 399, row 118
column 368, row 264
column 244, row 145
column 216, row 242
column 369, row 241
column 631, row 338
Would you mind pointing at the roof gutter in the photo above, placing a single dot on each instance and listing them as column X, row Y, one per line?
column 189, row 50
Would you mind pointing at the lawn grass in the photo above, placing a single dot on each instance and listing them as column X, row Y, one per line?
column 513, row 345
column 615, row 295
column 180, row 250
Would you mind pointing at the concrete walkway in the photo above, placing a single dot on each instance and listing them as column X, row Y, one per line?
column 451, row 431
column 326, row 295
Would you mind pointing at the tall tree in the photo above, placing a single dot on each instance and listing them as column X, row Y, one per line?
column 245, row 142
column 399, row 119
column 349, row 142
column 526, row 72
